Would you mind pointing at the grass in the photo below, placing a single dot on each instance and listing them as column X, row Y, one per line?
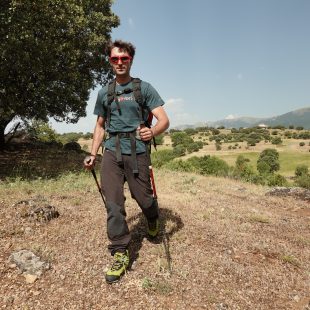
column 259, row 219
column 290, row 259
column 290, row 153
column 289, row 160
column 62, row 184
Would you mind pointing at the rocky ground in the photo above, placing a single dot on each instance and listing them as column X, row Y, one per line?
column 223, row 245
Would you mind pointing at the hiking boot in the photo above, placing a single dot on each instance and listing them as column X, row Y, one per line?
column 153, row 228
column 118, row 268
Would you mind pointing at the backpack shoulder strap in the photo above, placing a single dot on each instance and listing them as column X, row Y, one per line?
column 111, row 97
column 136, row 85
column 136, row 88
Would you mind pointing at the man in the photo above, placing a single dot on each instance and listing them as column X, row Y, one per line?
column 126, row 156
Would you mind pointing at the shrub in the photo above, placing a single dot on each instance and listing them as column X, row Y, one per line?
column 303, row 181
column 210, row 165
column 179, row 150
column 215, row 131
column 288, row 134
column 251, row 142
column 88, row 136
column 41, row 131
column 301, row 170
column 190, row 131
column 276, row 141
column 159, row 140
column 263, row 168
column 241, row 162
column 181, row 138
column 302, row 143
column 179, row 165
column 276, row 180
column 271, row 158
column 218, row 146
column 192, row 147
column 72, row 146
column 200, row 144
column 70, row 137
column 159, row 158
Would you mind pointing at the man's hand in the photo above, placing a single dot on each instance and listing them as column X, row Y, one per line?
column 145, row 133
column 89, row 162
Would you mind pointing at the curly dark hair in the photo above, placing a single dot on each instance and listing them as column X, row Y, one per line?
column 123, row 46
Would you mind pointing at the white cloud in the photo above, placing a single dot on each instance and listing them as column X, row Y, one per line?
column 177, row 112
column 230, row 116
column 131, row 23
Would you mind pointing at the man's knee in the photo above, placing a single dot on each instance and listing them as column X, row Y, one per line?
column 116, row 221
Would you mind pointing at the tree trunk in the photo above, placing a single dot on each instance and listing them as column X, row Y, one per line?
column 3, row 124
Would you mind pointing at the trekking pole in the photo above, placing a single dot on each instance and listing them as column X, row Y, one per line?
column 96, row 180
column 152, row 181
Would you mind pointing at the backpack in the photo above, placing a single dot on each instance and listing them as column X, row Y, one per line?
column 113, row 96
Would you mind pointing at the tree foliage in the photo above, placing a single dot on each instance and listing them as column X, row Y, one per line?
column 52, row 54
column 268, row 161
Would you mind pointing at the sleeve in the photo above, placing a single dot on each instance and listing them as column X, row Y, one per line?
column 100, row 108
column 152, row 98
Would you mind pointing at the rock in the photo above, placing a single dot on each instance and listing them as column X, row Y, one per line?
column 30, row 278
column 28, row 231
column 296, row 192
column 29, row 263
column 37, row 208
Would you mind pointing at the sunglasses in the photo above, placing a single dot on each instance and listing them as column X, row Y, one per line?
column 124, row 59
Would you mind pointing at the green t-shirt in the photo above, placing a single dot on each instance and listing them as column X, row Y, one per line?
column 128, row 120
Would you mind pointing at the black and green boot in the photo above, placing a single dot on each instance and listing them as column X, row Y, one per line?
column 153, row 228
column 118, row 268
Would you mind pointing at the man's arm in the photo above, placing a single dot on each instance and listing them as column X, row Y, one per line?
column 161, row 125
column 97, row 140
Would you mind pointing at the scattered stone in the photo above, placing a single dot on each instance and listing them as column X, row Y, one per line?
column 36, row 293
column 30, row 278
column 222, row 306
column 30, row 264
column 38, row 209
column 296, row 192
column 28, row 231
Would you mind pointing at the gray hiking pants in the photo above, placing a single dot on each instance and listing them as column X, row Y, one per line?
column 113, row 177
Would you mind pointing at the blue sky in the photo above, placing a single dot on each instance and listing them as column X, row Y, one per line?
column 212, row 59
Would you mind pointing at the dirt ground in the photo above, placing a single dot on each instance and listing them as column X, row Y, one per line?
column 223, row 245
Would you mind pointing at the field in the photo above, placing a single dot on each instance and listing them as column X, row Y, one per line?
column 291, row 154
column 223, row 244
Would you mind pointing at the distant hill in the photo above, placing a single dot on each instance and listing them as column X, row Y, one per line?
column 300, row 117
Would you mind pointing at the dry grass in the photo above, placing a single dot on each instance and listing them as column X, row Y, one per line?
column 223, row 245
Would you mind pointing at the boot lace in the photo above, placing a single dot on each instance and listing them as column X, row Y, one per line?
column 119, row 262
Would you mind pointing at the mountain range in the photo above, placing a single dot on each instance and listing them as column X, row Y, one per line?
column 299, row 117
